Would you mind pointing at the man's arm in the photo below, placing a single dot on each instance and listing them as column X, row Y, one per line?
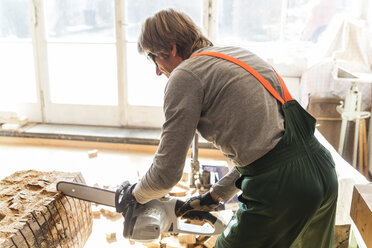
column 225, row 188
column 182, row 108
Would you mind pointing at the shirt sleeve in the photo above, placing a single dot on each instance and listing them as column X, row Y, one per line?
column 225, row 187
column 182, row 108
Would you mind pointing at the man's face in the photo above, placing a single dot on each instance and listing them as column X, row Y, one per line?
column 165, row 65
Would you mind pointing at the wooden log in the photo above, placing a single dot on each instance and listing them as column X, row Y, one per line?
column 34, row 214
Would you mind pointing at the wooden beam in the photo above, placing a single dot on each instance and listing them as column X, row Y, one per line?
column 34, row 214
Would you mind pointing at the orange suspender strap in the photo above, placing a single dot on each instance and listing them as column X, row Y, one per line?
column 254, row 73
column 287, row 95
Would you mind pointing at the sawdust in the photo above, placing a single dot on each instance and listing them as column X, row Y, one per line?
column 23, row 192
column 111, row 215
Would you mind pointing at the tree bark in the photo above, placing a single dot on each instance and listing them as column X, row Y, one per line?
column 34, row 214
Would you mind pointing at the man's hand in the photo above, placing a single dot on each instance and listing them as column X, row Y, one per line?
column 204, row 202
column 126, row 198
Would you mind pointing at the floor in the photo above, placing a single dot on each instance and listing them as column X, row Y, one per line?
column 108, row 168
column 120, row 160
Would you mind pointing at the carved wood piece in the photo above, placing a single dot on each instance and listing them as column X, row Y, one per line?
column 34, row 214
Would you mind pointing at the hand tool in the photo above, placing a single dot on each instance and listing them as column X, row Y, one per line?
column 145, row 222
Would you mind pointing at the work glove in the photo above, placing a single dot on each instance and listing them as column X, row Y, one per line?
column 203, row 202
column 125, row 198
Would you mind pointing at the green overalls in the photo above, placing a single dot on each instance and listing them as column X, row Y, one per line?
column 289, row 195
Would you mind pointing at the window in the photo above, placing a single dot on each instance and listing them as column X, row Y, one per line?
column 76, row 62
column 269, row 27
column 242, row 20
column 17, row 77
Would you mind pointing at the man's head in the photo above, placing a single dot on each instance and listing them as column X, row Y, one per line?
column 170, row 33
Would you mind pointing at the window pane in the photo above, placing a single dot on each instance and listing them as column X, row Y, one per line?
column 270, row 21
column 308, row 19
column 138, row 10
column 17, row 77
column 14, row 19
column 78, row 20
column 83, row 73
column 249, row 20
column 145, row 87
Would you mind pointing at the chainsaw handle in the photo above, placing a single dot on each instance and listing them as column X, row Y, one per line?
column 119, row 196
column 201, row 217
column 195, row 214
column 129, row 221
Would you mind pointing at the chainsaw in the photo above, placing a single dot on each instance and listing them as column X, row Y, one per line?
column 145, row 222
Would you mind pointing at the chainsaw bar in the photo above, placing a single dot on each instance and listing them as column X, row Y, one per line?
column 87, row 193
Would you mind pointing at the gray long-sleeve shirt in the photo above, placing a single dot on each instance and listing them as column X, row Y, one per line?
column 227, row 106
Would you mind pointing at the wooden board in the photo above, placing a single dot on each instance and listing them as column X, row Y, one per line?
column 361, row 211
column 34, row 214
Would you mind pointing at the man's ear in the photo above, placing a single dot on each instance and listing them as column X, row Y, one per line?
column 174, row 49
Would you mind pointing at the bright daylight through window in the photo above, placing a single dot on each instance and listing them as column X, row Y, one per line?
column 81, row 52
column 17, row 77
column 80, row 58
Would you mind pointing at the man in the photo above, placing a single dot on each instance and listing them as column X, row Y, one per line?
column 235, row 100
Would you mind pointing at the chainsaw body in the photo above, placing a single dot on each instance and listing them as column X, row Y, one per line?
column 144, row 223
